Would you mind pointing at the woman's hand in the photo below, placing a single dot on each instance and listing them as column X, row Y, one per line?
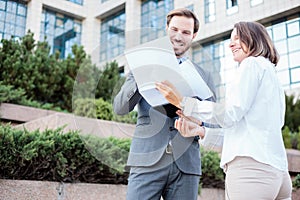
column 169, row 92
column 188, row 128
column 190, row 118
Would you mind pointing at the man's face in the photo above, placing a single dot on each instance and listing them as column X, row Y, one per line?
column 181, row 33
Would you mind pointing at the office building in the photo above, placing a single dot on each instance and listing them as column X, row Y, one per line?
column 107, row 27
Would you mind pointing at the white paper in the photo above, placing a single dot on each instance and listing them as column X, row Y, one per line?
column 155, row 61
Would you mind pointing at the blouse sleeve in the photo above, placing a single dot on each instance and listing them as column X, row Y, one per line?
column 240, row 96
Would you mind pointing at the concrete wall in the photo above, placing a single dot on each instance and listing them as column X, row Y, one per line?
column 37, row 190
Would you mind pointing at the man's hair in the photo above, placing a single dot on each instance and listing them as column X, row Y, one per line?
column 186, row 13
column 256, row 38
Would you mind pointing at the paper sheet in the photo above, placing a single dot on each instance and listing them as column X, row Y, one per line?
column 155, row 61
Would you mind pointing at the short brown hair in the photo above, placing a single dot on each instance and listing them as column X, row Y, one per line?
column 186, row 13
column 257, row 40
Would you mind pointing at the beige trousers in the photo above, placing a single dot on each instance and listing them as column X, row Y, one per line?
column 247, row 179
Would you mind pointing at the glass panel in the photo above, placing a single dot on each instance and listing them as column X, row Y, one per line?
column 12, row 23
column 210, row 10
column 283, row 62
column 293, row 28
column 154, row 15
column 294, row 59
column 112, row 38
column 281, row 46
column 279, row 32
column 61, row 31
column 11, row 6
column 294, row 43
column 80, row 2
column 295, row 75
column 2, row 4
column 21, row 10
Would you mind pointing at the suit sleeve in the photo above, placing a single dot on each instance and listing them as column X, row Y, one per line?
column 128, row 96
column 207, row 76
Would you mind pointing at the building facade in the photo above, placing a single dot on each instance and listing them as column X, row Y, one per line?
column 107, row 27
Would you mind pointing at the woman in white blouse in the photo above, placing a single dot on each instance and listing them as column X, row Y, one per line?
column 253, row 155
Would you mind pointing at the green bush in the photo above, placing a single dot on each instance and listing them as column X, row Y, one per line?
column 85, row 108
column 100, row 109
column 52, row 155
column 296, row 182
column 291, row 139
column 292, row 114
column 286, row 134
column 212, row 175
column 55, row 156
column 10, row 95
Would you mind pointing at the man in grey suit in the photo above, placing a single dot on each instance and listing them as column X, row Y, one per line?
column 162, row 162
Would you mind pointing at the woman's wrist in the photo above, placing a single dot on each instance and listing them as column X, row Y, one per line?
column 182, row 103
column 202, row 133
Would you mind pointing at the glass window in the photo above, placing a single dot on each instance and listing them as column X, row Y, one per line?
column 112, row 41
column 12, row 19
column 293, row 28
column 60, row 31
column 210, row 10
column 80, row 2
column 295, row 75
column 231, row 6
column 286, row 37
column 153, row 19
column 279, row 31
column 281, row 46
column 217, row 58
column 294, row 59
column 294, row 43
column 283, row 62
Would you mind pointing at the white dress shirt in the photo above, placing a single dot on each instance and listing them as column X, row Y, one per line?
column 251, row 116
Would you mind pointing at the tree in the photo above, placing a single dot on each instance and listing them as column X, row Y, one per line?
column 109, row 81
column 292, row 114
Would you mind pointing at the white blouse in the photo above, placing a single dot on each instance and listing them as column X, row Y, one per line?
column 251, row 117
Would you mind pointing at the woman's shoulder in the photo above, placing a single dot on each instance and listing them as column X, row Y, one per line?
column 258, row 60
column 256, row 65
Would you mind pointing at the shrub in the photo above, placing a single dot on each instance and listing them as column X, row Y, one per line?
column 10, row 95
column 212, row 175
column 296, row 182
column 52, row 155
column 292, row 114
column 286, row 134
column 291, row 139
column 100, row 109
column 55, row 156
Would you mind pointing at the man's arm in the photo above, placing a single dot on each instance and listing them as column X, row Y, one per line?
column 127, row 98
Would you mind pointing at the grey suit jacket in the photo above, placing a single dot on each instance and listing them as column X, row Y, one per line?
column 154, row 130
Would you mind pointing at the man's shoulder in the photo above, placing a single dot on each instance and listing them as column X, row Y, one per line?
column 201, row 69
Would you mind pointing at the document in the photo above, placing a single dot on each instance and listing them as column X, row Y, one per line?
column 155, row 61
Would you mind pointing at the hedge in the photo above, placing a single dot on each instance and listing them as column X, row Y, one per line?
column 52, row 155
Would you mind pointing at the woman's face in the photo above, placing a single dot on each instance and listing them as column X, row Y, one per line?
column 238, row 48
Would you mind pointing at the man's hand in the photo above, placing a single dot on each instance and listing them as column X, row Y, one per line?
column 168, row 90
